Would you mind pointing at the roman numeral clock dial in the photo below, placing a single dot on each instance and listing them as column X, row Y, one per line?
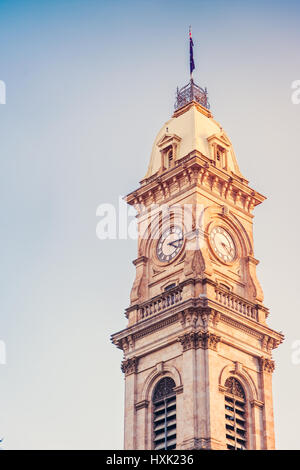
column 222, row 244
column 170, row 244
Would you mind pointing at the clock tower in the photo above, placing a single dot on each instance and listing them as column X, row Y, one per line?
column 197, row 348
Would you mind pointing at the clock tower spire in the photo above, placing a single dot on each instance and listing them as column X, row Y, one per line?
column 197, row 348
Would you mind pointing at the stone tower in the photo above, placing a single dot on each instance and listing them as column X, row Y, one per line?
column 197, row 349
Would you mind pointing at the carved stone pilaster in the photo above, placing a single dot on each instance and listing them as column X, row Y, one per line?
column 199, row 339
column 209, row 340
column 266, row 365
column 129, row 366
column 188, row 340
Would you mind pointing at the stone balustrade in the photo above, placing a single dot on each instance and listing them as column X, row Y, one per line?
column 160, row 303
column 234, row 302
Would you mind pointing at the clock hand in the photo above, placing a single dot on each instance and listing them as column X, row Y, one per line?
column 226, row 247
column 175, row 241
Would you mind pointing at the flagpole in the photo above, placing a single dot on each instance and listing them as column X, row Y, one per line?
column 192, row 64
column 190, row 37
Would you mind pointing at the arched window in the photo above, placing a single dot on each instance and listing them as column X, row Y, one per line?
column 221, row 157
column 235, row 415
column 170, row 158
column 164, row 415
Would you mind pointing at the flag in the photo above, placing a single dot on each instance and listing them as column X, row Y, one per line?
column 192, row 64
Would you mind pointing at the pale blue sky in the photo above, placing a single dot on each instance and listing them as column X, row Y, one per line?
column 89, row 84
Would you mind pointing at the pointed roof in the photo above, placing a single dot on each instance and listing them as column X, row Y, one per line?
column 195, row 129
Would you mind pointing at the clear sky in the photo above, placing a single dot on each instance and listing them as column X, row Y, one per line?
column 89, row 84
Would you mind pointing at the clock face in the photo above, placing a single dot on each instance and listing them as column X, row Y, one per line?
column 222, row 244
column 169, row 244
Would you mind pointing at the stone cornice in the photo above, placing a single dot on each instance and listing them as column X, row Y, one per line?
column 196, row 170
column 258, row 330
column 156, row 326
column 188, row 312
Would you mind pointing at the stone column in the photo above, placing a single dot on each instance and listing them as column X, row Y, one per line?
column 188, row 434
column 215, row 433
column 257, row 440
column 180, row 418
column 267, row 367
column 141, row 424
column 129, row 367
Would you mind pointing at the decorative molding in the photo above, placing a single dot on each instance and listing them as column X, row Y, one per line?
column 195, row 162
column 233, row 386
column 142, row 404
column 189, row 317
column 195, row 443
column 225, row 211
column 242, row 376
column 153, row 378
column 140, row 260
column 210, row 317
column 257, row 403
column 188, row 341
column 268, row 343
column 238, row 367
column 178, row 389
column 129, row 366
column 240, row 326
column 163, row 388
column 209, row 340
column 127, row 344
column 156, row 326
column 199, row 339
column 266, row 365
column 201, row 443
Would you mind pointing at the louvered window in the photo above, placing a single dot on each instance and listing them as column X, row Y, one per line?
column 164, row 415
column 235, row 415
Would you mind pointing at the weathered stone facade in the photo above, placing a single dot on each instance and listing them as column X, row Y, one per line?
column 197, row 318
